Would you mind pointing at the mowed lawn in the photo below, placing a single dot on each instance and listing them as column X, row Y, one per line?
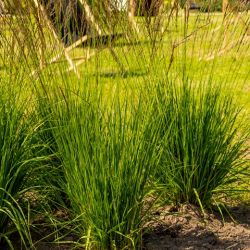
column 207, row 45
column 210, row 47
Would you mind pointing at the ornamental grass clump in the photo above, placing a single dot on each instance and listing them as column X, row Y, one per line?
column 107, row 155
column 16, row 143
column 205, row 149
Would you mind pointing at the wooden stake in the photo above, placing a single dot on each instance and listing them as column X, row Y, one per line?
column 90, row 17
column 51, row 27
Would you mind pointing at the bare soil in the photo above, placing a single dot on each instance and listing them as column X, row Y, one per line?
column 187, row 229
column 183, row 228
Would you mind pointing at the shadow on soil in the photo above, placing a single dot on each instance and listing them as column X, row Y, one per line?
column 184, row 230
column 187, row 230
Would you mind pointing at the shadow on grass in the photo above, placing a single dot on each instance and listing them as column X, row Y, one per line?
column 126, row 74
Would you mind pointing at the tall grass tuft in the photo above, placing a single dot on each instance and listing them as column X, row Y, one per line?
column 16, row 144
column 107, row 156
column 205, row 149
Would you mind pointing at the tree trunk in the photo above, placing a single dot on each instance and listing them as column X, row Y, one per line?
column 148, row 7
column 68, row 18
column 131, row 8
column 225, row 4
column 2, row 10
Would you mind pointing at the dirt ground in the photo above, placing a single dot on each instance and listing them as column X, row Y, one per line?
column 186, row 230
column 183, row 229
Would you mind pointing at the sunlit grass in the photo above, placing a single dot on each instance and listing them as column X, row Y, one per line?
column 110, row 133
